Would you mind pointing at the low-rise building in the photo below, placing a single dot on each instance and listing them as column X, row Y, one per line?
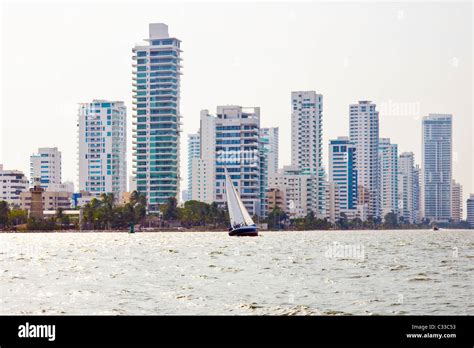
column 79, row 199
column 276, row 199
column 12, row 184
column 300, row 191
column 51, row 200
column 332, row 195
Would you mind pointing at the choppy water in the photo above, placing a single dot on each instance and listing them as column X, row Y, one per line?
column 322, row 273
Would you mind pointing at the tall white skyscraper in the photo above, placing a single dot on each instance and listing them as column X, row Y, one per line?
column 46, row 166
column 417, row 193
column 364, row 134
column 306, row 130
column 306, row 142
column 342, row 173
column 194, row 151
column 270, row 141
column 456, row 202
column 437, row 166
column 102, row 147
column 406, row 186
column 388, row 172
column 204, row 172
column 156, row 116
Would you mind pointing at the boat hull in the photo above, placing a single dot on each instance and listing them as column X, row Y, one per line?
column 248, row 231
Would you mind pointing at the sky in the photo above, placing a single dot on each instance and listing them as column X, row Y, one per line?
column 411, row 59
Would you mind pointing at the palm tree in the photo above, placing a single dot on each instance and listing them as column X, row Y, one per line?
column 108, row 203
column 138, row 202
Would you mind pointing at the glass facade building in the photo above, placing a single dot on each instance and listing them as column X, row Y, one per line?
column 342, row 172
column 238, row 148
column 45, row 166
column 437, row 166
column 156, row 116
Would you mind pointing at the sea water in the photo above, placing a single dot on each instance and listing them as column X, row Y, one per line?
column 277, row 273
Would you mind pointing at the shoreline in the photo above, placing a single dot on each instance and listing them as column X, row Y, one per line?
column 222, row 231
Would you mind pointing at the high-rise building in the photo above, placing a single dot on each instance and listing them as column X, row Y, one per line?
column 238, row 150
column 270, row 140
column 12, row 184
column 194, row 151
column 364, row 134
column 156, row 117
column 269, row 163
column 388, row 172
column 470, row 210
column 231, row 140
column 342, row 173
column 456, row 202
column 417, row 192
column 263, row 151
column 306, row 130
column 102, row 147
column 437, row 167
column 204, row 173
column 46, row 166
column 406, row 187
column 306, row 143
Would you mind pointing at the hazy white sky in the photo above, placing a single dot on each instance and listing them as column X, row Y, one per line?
column 409, row 56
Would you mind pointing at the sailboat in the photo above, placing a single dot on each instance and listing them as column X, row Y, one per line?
column 241, row 224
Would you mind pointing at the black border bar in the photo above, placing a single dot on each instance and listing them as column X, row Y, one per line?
column 227, row 330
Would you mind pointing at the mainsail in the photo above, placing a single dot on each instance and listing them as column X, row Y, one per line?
column 237, row 212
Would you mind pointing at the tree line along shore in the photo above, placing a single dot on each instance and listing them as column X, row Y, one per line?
column 104, row 214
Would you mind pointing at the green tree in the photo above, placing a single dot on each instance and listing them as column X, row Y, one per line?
column 276, row 218
column 138, row 201
column 17, row 216
column 107, row 209
column 391, row 220
column 356, row 224
column 4, row 213
column 342, row 222
column 34, row 224
column 170, row 209
column 66, row 220
column 91, row 214
column 309, row 220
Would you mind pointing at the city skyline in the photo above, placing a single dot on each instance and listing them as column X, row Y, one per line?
column 386, row 105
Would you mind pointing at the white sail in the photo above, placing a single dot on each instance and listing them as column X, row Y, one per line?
column 237, row 212
column 248, row 220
